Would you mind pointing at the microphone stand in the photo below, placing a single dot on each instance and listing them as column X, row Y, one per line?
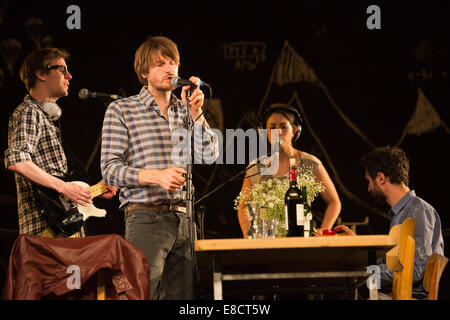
column 189, row 126
column 99, row 141
column 223, row 184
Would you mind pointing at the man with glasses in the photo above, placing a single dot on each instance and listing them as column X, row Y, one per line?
column 35, row 150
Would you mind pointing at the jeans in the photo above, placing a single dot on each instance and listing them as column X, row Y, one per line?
column 164, row 238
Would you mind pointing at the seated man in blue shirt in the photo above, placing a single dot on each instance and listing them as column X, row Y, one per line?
column 386, row 170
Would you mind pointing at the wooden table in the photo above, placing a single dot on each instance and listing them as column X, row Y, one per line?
column 326, row 257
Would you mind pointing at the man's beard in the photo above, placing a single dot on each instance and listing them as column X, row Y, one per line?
column 378, row 196
column 161, row 85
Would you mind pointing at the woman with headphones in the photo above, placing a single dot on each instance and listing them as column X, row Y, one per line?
column 286, row 119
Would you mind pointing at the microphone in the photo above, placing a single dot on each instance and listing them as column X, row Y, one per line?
column 268, row 165
column 85, row 94
column 178, row 82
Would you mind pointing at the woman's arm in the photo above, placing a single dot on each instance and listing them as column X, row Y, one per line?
column 243, row 216
column 330, row 196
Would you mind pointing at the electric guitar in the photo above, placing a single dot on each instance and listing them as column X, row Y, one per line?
column 63, row 215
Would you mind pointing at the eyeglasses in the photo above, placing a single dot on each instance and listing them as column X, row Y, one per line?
column 63, row 69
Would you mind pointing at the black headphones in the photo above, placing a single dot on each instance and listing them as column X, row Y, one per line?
column 286, row 108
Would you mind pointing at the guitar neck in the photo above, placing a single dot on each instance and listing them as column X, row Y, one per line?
column 97, row 189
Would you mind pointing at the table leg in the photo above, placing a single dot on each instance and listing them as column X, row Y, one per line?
column 373, row 291
column 217, row 279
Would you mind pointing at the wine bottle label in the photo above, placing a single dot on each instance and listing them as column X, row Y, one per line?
column 307, row 225
column 286, row 217
column 300, row 214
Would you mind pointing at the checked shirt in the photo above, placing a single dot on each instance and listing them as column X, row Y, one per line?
column 32, row 136
column 137, row 136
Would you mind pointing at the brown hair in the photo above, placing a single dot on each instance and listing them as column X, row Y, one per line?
column 39, row 60
column 391, row 161
column 149, row 51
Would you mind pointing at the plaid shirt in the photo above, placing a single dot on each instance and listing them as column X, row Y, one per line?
column 137, row 136
column 33, row 137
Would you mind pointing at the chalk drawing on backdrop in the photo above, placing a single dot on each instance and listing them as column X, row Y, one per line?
column 245, row 54
column 424, row 119
column 292, row 68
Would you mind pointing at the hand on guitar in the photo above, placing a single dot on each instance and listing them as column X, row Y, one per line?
column 76, row 194
column 111, row 192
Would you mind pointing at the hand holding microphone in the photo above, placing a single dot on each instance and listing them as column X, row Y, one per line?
column 178, row 82
column 196, row 97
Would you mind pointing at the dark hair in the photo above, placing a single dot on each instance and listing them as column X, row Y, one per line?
column 391, row 161
column 289, row 112
column 39, row 60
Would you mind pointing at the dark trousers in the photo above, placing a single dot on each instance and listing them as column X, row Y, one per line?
column 164, row 238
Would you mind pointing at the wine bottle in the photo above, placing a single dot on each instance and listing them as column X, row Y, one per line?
column 308, row 228
column 293, row 205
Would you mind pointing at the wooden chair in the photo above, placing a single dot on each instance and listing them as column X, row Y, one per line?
column 435, row 266
column 400, row 260
column 101, row 290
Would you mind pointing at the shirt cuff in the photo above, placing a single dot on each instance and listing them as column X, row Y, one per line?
column 15, row 156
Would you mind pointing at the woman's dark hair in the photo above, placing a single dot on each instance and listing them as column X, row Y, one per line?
column 289, row 113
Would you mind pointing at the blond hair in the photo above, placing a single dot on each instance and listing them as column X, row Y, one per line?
column 148, row 53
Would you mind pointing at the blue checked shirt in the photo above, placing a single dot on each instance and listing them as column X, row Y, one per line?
column 427, row 237
column 137, row 136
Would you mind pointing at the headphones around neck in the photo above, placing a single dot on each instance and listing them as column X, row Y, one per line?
column 49, row 107
column 273, row 108
column 52, row 109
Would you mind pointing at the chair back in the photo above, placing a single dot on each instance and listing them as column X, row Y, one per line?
column 435, row 266
column 400, row 260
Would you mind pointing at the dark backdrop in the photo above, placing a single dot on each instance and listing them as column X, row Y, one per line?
column 369, row 79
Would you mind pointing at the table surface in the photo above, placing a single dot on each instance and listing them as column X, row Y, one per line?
column 290, row 255
column 295, row 242
column 293, row 254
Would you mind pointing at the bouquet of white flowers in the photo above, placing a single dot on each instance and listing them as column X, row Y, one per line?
column 270, row 193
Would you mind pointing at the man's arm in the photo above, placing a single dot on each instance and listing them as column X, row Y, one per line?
column 32, row 172
column 423, row 237
column 116, row 171
column 23, row 139
column 208, row 148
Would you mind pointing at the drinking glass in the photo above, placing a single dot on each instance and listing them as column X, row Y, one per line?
column 254, row 230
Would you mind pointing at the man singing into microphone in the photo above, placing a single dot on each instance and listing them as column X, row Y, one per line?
column 137, row 156
column 35, row 150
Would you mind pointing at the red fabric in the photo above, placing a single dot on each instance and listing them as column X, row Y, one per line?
column 38, row 268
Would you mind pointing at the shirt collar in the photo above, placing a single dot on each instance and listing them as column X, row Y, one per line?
column 402, row 202
column 149, row 100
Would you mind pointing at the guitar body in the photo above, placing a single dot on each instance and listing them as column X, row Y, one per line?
column 61, row 214
column 90, row 210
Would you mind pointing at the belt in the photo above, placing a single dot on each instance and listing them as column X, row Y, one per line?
column 165, row 207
